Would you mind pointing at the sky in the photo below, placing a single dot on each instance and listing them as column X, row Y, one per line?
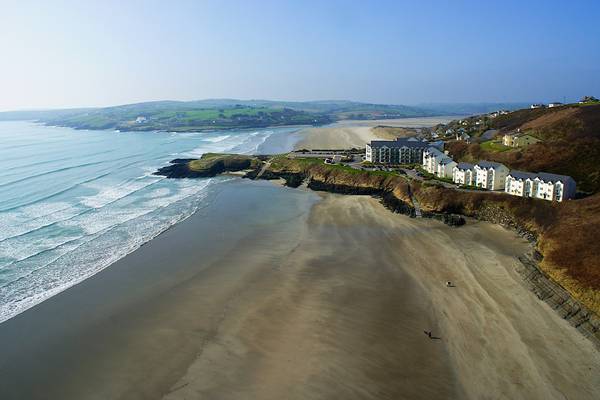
column 57, row 54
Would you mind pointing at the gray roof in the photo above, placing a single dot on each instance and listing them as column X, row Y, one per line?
column 446, row 160
column 399, row 143
column 522, row 174
column 545, row 176
column 436, row 151
column 464, row 165
column 490, row 133
column 489, row 164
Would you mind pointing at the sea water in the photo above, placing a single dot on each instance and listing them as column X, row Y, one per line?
column 73, row 202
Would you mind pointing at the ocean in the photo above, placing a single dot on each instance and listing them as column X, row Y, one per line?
column 72, row 202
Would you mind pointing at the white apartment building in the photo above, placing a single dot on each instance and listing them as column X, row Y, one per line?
column 490, row 175
column 540, row 185
column 437, row 163
column 444, row 167
column 462, row 174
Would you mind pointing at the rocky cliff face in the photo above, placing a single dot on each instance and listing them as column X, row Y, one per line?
column 207, row 166
column 563, row 233
column 534, row 220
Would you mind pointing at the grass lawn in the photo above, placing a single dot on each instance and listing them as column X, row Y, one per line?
column 494, row 146
column 208, row 161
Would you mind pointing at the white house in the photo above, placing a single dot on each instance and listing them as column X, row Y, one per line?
column 555, row 104
column 519, row 183
column 444, row 167
column 140, row 120
column 462, row 174
column 430, row 157
column 490, row 175
column 463, row 136
column 540, row 185
column 536, row 106
column 437, row 163
column 553, row 187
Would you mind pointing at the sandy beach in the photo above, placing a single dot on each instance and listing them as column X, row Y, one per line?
column 275, row 293
column 347, row 134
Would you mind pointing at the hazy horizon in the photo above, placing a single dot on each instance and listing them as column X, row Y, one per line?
column 432, row 103
column 63, row 55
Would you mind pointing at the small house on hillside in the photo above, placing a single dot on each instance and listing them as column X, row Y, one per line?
column 536, row 106
column 519, row 139
column 464, row 136
column 555, row 104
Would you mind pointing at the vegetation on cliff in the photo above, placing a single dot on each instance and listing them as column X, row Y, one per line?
column 210, row 164
column 570, row 143
column 215, row 114
column 566, row 232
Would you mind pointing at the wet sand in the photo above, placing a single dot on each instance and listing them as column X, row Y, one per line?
column 348, row 134
column 271, row 294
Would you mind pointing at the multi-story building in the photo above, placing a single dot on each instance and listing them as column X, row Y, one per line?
column 462, row 174
column 490, row 175
column 399, row 151
column 437, row 163
column 540, row 185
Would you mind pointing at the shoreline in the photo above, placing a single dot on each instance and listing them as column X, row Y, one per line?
column 303, row 303
column 399, row 122
column 353, row 133
column 277, row 293
column 399, row 195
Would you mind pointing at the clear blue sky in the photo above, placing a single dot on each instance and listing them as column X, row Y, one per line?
column 85, row 53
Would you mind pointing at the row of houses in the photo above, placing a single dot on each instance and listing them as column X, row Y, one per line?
column 540, row 185
column 495, row 176
column 486, row 175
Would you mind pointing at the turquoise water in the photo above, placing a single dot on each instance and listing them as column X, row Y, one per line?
column 73, row 201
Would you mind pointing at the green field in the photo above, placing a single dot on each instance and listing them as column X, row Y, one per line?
column 216, row 114
column 494, row 146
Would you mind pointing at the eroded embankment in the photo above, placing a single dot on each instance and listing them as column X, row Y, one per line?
column 554, row 279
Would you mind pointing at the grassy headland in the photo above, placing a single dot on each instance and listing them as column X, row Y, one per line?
column 210, row 164
column 216, row 114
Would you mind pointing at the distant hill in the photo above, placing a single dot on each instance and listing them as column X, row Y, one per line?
column 33, row 115
column 570, row 142
column 215, row 114
column 470, row 108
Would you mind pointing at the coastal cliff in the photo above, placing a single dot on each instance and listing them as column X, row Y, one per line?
column 210, row 164
column 562, row 270
column 562, row 233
